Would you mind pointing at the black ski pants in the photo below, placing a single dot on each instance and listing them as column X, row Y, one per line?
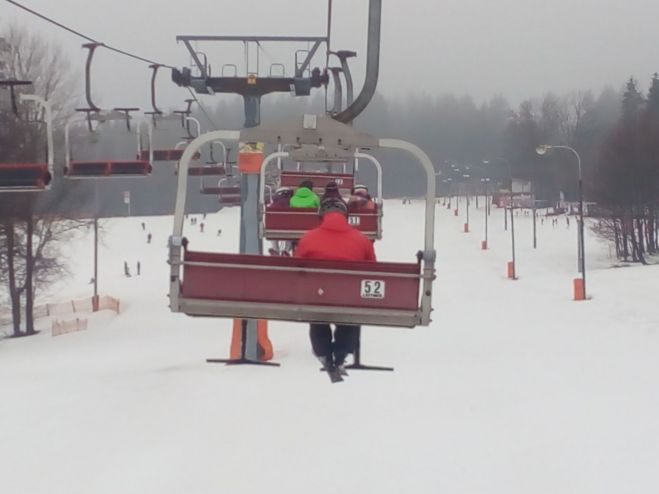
column 345, row 339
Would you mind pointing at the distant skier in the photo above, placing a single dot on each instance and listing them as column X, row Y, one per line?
column 139, row 268
column 567, row 221
column 148, row 238
column 201, row 227
column 143, row 226
column 219, row 232
column 126, row 270
column 334, row 239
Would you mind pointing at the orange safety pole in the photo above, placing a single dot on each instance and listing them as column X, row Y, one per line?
column 579, row 292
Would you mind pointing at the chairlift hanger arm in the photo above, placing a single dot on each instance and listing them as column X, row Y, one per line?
column 11, row 84
column 372, row 65
column 88, row 77
column 338, row 90
column 343, row 56
column 155, row 67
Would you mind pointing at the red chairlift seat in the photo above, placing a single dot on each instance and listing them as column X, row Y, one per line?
column 164, row 155
column 286, row 223
column 229, row 195
column 24, row 176
column 108, row 169
column 354, row 292
column 207, row 171
column 292, row 179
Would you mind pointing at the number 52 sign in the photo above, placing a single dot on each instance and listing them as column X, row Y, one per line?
column 372, row 289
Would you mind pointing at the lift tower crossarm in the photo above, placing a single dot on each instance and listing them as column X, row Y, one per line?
column 260, row 86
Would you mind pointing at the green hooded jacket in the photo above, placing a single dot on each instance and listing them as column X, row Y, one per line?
column 305, row 198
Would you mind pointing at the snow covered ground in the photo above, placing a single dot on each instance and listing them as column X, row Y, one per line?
column 514, row 388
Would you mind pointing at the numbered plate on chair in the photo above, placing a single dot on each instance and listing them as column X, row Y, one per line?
column 372, row 289
column 354, row 220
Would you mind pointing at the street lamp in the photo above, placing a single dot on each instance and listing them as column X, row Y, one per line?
column 486, row 182
column 466, row 225
column 579, row 291
column 449, row 191
column 512, row 266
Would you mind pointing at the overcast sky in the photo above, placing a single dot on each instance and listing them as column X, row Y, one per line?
column 517, row 48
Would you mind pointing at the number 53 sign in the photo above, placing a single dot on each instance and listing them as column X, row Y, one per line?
column 372, row 289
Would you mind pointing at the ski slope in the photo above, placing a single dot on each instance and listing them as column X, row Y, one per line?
column 514, row 388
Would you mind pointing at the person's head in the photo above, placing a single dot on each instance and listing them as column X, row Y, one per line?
column 283, row 192
column 333, row 205
column 361, row 191
column 307, row 184
column 331, row 187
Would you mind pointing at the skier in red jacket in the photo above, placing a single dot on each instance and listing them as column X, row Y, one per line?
column 334, row 239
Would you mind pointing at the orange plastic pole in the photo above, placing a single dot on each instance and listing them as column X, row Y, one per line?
column 511, row 270
column 578, row 289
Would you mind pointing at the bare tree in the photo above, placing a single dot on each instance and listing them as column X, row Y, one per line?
column 28, row 239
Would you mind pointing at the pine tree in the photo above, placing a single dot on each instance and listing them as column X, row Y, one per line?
column 652, row 109
column 632, row 101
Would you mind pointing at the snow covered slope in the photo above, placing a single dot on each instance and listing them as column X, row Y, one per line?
column 515, row 388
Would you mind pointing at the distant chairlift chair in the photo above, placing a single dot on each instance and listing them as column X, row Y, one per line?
column 29, row 177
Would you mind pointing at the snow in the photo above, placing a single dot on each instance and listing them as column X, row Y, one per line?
column 515, row 388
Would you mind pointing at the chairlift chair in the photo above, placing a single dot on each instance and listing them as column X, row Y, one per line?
column 166, row 154
column 95, row 117
column 287, row 223
column 108, row 168
column 212, row 168
column 228, row 190
column 305, row 290
column 29, row 177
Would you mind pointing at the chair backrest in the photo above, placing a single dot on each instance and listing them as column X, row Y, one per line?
column 108, row 169
column 364, row 292
column 345, row 181
column 24, row 176
column 286, row 223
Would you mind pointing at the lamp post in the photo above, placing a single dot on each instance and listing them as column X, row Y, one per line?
column 486, row 182
column 579, row 291
column 449, row 191
column 466, row 225
column 512, row 267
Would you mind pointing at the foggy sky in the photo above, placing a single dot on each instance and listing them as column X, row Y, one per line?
column 516, row 48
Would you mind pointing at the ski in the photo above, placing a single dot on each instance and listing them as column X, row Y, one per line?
column 335, row 373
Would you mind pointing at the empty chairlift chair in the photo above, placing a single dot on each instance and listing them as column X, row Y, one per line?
column 29, row 176
column 95, row 118
column 106, row 168
column 213, row 168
